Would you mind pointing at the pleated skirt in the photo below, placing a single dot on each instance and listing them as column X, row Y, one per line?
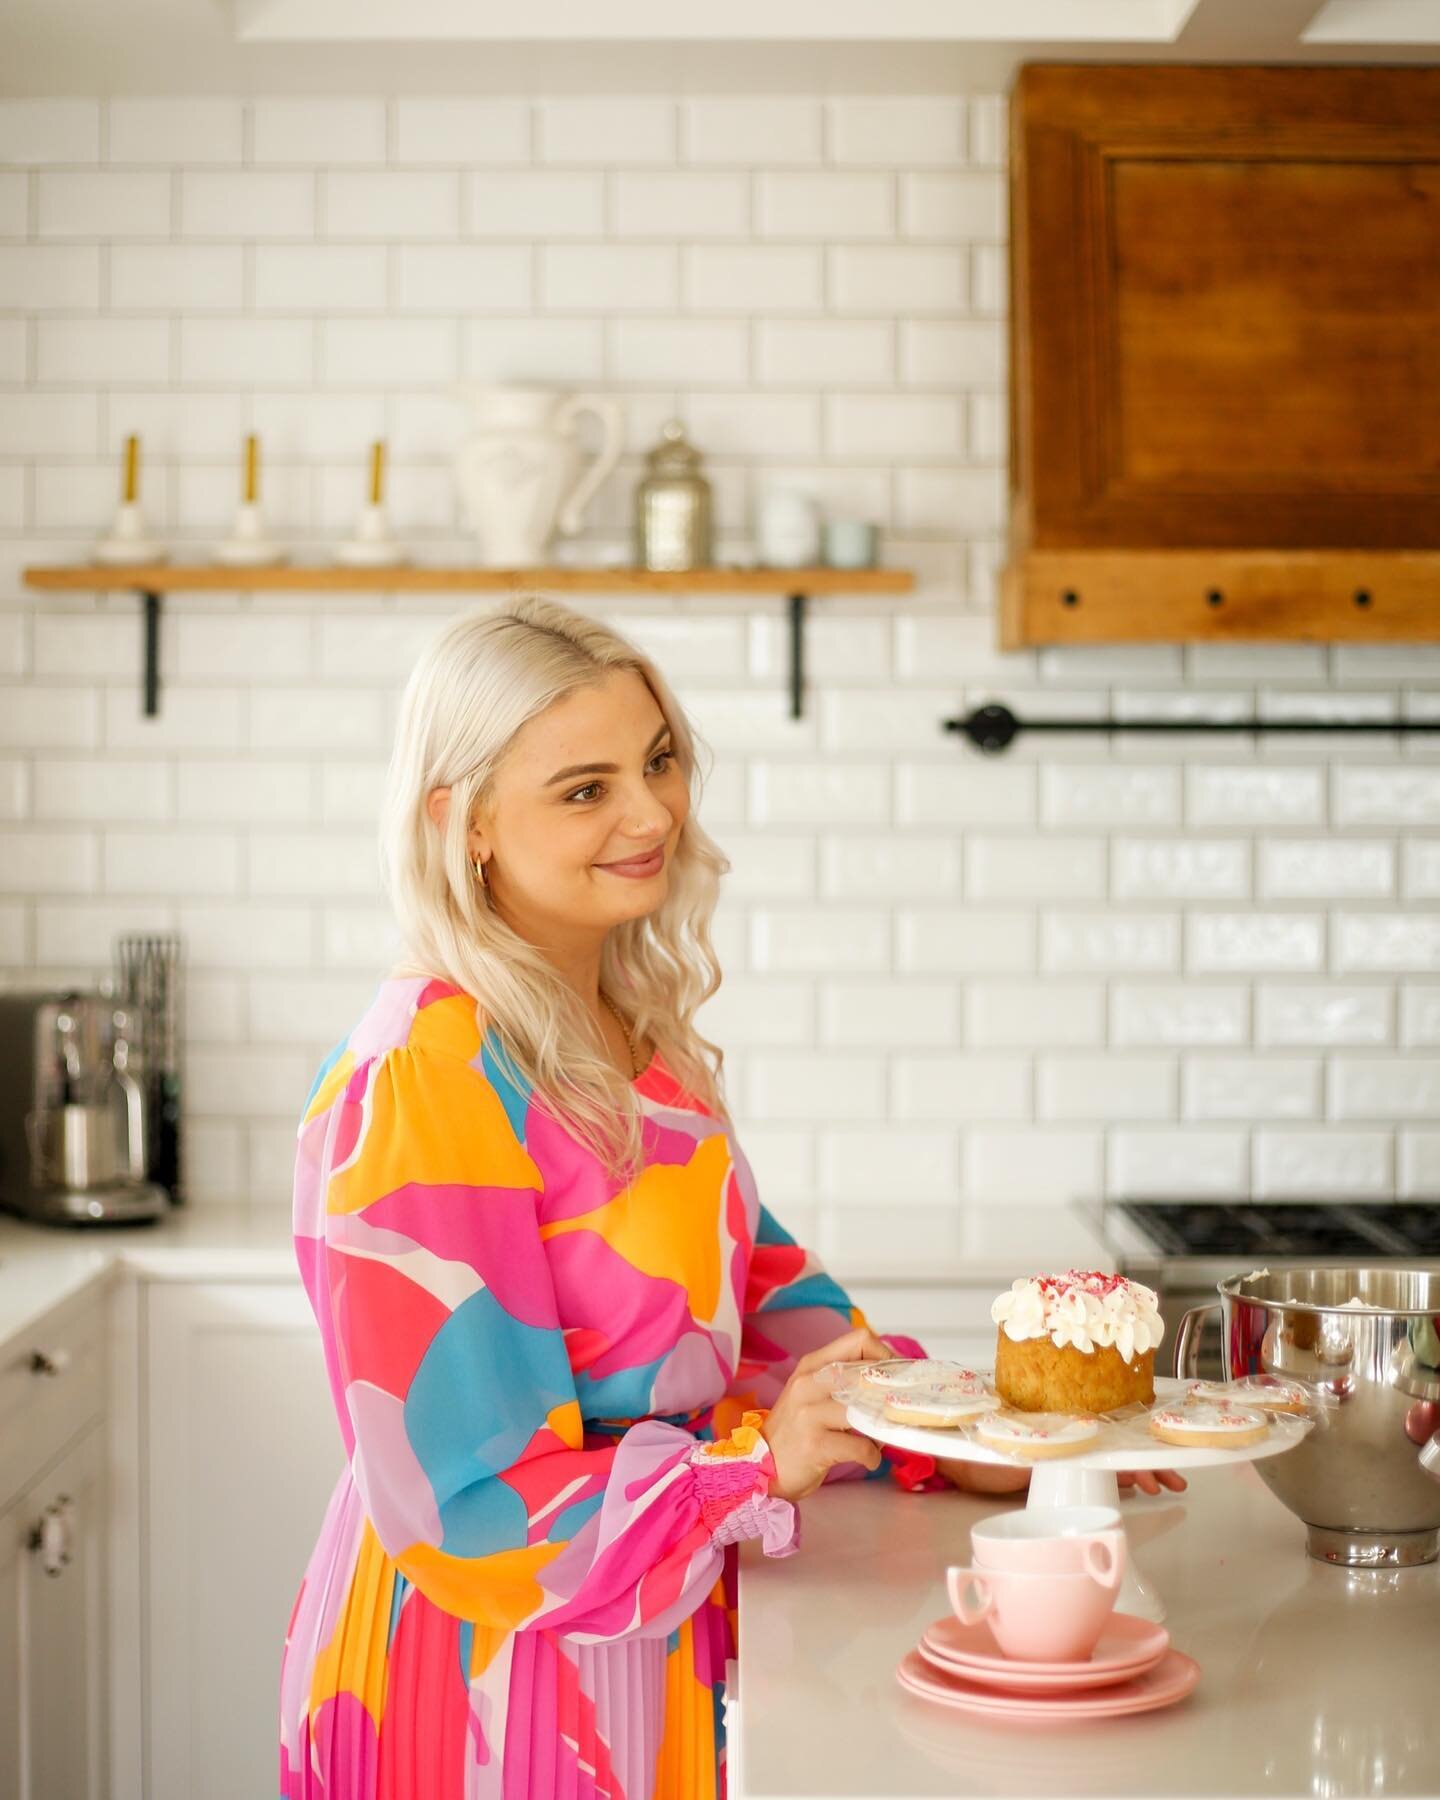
column 383, row 1696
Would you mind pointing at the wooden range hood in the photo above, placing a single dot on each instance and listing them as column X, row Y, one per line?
column 1224, row 354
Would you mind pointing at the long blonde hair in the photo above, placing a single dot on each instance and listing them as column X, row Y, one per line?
column 483, row 677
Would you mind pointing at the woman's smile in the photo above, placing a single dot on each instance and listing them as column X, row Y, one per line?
column 637, row 868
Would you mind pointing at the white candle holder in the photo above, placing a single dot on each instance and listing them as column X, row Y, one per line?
column 127, row 541
column 247, row 545
column 372, row 546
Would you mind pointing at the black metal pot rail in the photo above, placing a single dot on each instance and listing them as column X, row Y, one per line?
column 994, row 727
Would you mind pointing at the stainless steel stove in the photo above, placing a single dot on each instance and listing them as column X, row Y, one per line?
column 1182, row 1248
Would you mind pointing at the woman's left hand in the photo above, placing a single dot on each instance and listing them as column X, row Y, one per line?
column 1150, row 1481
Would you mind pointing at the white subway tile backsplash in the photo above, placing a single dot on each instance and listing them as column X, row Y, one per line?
column 1385, row 1087
column 1254, row 797
column 882, row 719
column 1162, row 1013
column 680, row 204
column 14, row 203
column 312, row 718
column 40, row 861
column 869, row 1167
column 1034, row 1013
column 609, row 130
column 1219, row 943
column 1385, row 796
column 819, row 793
column 958, row 940
column 318, row 129
column 433, row 128
column 99, row 791
column 829, row 205
column 888, row 1014
column 759, row 1012
column 1323, row 1013
column 246, row 350
column 519, row 350
column 814, row 940
column 179, row 425
column 897, row 279
column 15, row 791
column 1420, row 1013
column 306, row 1009
column 1420, row 876
column 180, row 128
column 1399, row 942
column 217, row 646
column 358, row 937
column 1013, row 1165
column 169, row 277
column 897, row 130
column 96, row 352
column 672, row 351
column 964, row 353
column 767, row 278
column 1195, row 1163
column 193, row 718
column 50, row 718
column 1024, row 867
column 392, row 204
column 102, row 204
column 1179, row 869
column 1252, row 1087
column 321, row 278
column 176, row 862
column 968, row 1088
column 39, row 277
column 375, row 352
column 61, row 424
column 775, row 132
column 894, row 867
column 1419, row 1177
column 1113, row 1087
column 80, row 934
column 1100, row 796
column 250, row 792
column 610, row 277
column 248, row 1082
column 959, row 208
column 49, row 131
column 793, row 1085
column 966, row 500
column 1084, row 942
column 754, row 425
column 1326, row 869
column 896, row 425
column 822, row 352
column 248, row 204
column 765, row 867
column 535, row 204
column 1321, row 1163
column 246, row 935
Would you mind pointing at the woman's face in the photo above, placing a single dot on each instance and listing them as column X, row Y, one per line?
column 583, row 814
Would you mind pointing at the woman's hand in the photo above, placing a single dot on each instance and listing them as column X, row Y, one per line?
column 806, row 1429
column 984, row 1478
column 1150, row 1481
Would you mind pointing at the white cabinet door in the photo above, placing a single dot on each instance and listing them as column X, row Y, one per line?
column 12, row 1554
column 62, row 1607
column 242, row 1454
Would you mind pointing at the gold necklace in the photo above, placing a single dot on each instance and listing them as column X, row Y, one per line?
column 629, row 1037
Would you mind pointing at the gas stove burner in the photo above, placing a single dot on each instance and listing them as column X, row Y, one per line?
column 1261, row 1229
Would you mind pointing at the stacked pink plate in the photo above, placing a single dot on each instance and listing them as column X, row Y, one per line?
column 1132, row 1669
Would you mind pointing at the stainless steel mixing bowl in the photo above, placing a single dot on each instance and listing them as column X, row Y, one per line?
column 1357, row 1479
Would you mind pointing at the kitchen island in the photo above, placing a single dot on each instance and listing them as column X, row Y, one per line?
column 1314, row 1681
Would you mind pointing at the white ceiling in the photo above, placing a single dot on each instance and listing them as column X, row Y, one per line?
column 640, row 46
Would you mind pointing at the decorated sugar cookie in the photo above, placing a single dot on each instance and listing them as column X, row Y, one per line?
column 942, row 1407
column 1203, row 1425
column 1037, row 1435
column 1268, row 1391
column 932, row 1373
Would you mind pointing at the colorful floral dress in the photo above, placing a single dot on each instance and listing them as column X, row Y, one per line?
column 523, row 1588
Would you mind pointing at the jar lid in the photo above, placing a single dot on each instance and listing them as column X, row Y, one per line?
column 673, row 455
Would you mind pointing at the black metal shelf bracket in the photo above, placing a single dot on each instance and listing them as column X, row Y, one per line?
column 797, row 655
column 994, row 728
column 150, row 614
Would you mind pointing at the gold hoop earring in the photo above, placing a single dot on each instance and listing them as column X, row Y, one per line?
column 479, row 868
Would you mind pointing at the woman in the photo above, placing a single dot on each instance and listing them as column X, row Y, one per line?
column 574, row 1360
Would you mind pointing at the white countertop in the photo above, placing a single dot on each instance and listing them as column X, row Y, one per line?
column 1314, row 1681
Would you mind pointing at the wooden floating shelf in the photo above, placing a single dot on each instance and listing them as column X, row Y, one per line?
column 1208, row 596
column 151, row 580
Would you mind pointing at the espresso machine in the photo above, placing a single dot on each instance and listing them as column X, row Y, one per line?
column 78, row 1125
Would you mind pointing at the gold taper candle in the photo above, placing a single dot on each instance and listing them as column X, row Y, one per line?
column 252, row 469
column 377, row 471
column 131, row 489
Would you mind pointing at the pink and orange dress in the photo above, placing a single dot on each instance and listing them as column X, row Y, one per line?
column 549, row 1387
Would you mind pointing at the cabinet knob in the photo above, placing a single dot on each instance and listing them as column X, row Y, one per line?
column 49, row 1362
column 53, row 1535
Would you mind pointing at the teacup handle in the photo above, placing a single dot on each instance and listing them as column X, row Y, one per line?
column 1104, row 1558
column 959, row 1583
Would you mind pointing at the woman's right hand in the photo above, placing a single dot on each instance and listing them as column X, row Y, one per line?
column 806, row 1429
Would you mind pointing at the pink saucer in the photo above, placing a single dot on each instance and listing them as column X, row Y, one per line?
column 1169, row 1680
column 1125, row 1647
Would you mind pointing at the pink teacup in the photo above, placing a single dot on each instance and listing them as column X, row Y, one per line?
column 1034, row 1617
column 1052, row 1540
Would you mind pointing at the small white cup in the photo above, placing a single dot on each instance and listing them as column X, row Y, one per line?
column 789, row 530
column 850, row 543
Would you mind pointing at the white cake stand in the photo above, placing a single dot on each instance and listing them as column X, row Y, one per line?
column 1087, row 1478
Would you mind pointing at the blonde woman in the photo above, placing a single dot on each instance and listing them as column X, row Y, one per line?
column 574, row 1360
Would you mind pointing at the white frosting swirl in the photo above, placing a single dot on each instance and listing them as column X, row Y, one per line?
column 1084, row 1309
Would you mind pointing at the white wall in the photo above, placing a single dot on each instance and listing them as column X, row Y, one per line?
column 1084, row 968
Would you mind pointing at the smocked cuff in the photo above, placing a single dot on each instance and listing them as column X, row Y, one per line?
column 733, row 1478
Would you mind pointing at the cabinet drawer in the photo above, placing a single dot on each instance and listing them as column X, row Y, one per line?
column 39, row 1412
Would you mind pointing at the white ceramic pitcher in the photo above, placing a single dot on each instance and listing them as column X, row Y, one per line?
column 521, row 474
